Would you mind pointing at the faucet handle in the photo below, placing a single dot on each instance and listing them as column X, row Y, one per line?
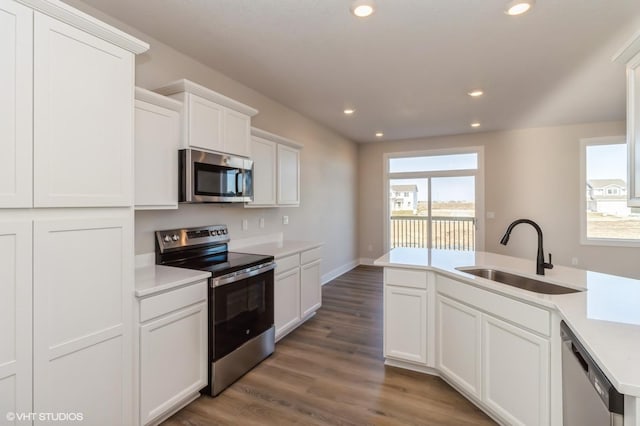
column 549, row 265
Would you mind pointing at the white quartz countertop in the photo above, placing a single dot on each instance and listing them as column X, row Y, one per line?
column 279, row 249
column 152, row 279
column 605, row 316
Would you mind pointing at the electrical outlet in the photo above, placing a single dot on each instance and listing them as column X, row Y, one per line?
column 245, row 224
column 574, row 261
column 285, row 220
column 261, row 223
column 491, row 215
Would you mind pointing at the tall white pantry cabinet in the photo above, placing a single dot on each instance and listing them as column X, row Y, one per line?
column 66, row 216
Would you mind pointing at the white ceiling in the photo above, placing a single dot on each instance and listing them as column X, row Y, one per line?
column 406, row 70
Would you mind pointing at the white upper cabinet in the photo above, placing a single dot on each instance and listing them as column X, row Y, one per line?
column 157, row 140
column 83, row 118
column 212, row 121
column 276, row 170
column 288, row 175
column 264, row 154
column 630, row 55
column 16, row 68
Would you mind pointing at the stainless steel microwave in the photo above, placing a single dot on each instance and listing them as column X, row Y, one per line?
column 207, row 177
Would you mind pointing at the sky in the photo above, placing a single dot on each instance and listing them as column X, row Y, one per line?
column 607, row 162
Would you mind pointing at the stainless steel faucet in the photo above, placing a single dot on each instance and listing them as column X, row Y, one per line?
column 541, row 265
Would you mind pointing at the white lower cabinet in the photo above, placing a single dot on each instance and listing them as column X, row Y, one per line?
column 82, row 316
column 172, row 366
column 286, row 301
column 502, row 363
column 297, row 289
column 15, row 318
column 310, row 288
column 405, row 324
column 459, row 344
column 515, row 372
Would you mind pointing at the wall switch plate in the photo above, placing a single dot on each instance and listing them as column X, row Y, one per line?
column 285, row 220
column 245, row 224
column 261, row 223
column 574, row 261
column 491, row 215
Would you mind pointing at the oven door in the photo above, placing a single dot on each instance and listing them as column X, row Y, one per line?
column 214, row 178
column 242, row 310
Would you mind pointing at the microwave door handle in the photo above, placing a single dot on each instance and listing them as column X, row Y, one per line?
column 239, row 183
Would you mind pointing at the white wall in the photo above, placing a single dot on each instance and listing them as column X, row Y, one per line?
column 328, row 205
column 529, row 173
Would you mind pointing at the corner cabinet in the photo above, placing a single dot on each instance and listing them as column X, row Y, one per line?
column 276, row 170
column 495, row 350
column 629, row 55
column 211, row 121
column 408, row 311
column 157, row 140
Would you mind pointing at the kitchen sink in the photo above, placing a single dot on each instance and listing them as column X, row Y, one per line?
column 519, row 281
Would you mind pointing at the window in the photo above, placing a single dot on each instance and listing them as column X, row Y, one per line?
column 605, row 217
column 442, row 204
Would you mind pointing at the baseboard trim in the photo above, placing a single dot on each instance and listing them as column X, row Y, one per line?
column 335, row 273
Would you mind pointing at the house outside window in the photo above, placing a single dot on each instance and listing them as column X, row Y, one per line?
column 605, row 217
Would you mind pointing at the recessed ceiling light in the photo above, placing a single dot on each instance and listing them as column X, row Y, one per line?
column 475, row 93
column 518, row 7
column 363, row 8
column 379, row 135
column 476, row 124
column 349, row 111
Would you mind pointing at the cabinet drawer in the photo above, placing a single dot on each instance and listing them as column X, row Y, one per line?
column 155, row 306
column 531, row 317
column 310, row 255
column 287, row 263
column 405, row 277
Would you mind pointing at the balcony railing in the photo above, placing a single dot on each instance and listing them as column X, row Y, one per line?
column 448, row 232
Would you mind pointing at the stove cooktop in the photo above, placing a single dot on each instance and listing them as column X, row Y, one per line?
column 222, row 263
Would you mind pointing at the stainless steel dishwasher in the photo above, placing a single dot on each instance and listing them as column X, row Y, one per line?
column 588, row 397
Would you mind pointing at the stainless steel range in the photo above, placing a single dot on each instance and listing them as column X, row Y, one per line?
column 241, row 326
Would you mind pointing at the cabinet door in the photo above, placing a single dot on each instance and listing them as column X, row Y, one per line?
column 237, row 133
column 157, row 140
column 310, row 288
column 405, row 324
column 286, row 301
column 516, row 373
column 83, row 118
column 16, row 104
column 15, row 318
column 173, row 360
column 459, row 340
column 204, row 124
column 633, row 129
column 82, row 316
column 288, row 175
column 263, row 154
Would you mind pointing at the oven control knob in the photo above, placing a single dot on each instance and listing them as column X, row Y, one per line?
column 175, row 237
column 167, row 239
column 225, row 231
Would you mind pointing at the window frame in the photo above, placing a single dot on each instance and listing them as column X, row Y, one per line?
column 584, row 240
column 477, row 173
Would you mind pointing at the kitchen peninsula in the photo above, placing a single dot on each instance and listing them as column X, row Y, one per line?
column 500, row 345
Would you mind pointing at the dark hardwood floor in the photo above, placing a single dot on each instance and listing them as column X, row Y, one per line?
column 330, row 371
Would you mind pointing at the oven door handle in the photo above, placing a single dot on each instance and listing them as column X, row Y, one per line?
column 243, row 274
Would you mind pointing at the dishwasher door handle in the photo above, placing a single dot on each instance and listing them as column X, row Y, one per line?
column 578, row 355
